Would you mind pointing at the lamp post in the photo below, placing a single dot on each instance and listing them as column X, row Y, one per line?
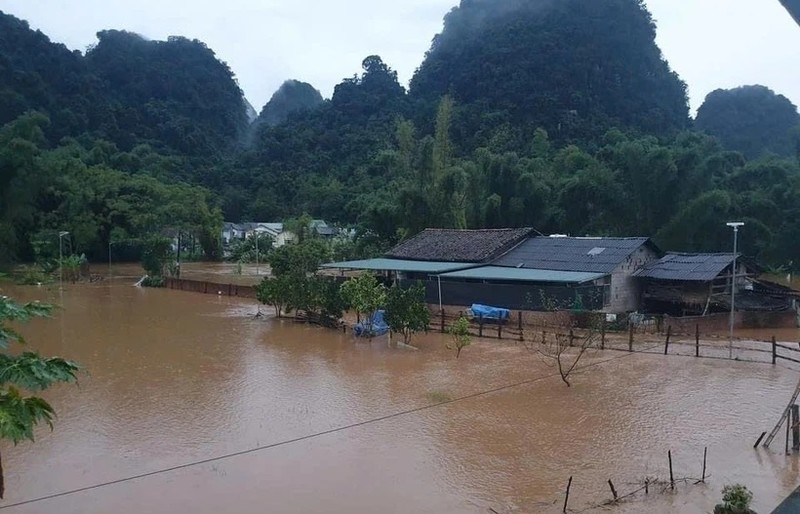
column 61, row 257
column 735, row 226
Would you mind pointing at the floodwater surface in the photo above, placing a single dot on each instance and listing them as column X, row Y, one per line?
column 346, row 426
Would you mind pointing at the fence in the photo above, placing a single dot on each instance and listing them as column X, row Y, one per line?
column 198, row 286
column 642, row 339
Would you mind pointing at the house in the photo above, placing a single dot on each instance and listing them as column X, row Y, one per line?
column 612, row 260
column 435, row 251
column 276, row 231
column 683, row 284
column 512, row 268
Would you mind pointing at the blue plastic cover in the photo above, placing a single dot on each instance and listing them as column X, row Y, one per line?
column 375, row 326
column 487, row 312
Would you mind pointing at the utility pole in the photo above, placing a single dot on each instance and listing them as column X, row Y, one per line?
column 61, row 258
column 735, row 226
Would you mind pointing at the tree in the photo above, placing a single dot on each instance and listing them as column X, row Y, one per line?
column 459, row 332
column 156, row 255
column 366, row 295
column 566, row 348
column 406, row 311
column 275, row 292
column 20, row 413
column 753, row 120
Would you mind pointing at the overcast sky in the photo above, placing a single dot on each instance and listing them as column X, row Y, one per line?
column 710, row 43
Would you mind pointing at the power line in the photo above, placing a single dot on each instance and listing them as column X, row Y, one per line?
column 297, row 439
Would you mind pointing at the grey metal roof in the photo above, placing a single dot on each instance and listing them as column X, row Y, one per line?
column 584, row 254
column 524, row 275
column 700, row 267
column 447, row 245
column 399, row 265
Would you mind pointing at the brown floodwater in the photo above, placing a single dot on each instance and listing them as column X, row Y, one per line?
column 174, row 378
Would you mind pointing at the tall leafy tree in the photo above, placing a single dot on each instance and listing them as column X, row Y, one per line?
column 22, row 375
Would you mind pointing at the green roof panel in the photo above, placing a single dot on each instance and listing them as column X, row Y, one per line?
column 524, row 275
column 382, row 264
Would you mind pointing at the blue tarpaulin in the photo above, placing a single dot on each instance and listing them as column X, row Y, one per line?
column 375, row 326
column 486, row 312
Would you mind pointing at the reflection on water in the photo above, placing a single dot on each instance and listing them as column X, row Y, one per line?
column 176, row 377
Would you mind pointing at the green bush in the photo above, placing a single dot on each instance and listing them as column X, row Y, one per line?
column 736, row 499
column 153, row 282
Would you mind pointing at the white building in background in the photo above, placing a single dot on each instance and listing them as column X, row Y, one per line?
column 280, row 237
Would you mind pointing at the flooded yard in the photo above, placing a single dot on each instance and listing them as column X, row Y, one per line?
column 344, row 426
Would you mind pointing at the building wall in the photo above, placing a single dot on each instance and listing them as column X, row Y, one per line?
column 626, row 291
column 518, row 296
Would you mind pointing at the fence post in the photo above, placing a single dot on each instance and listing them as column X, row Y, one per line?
column 499, row 329
column 671, row 476
column 697, row 340
column 774, row 350
column 603, row 334
column 480, row 325
column 666, row 344
column 521, row 336
column 442, row 317
column 630, row 337
column 571, row 338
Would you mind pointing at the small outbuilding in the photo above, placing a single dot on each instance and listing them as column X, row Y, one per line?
column 683, row 284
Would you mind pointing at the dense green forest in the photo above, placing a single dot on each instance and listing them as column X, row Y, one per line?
column 563, row 116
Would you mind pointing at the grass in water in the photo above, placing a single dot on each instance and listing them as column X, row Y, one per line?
column 438, row 397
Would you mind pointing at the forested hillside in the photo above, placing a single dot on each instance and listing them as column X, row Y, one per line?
column 561, row 115
column 752, row 120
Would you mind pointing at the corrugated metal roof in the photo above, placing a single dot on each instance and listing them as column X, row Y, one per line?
column 399, row 265
column 445, row 245
column 524, row 275
column 584, row 254
column 700, row 267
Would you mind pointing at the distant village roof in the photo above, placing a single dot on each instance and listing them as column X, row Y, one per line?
column 701, row 267
column 448, row 245
column 408, row 266
column 583, row 254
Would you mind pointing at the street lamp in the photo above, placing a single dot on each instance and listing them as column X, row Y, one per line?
column 735, row 226
column 61, row 257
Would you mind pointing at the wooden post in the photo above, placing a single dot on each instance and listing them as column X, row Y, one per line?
column 613, row 491
column 646, row 486
column 788, row 428
column 630, row 337
column 521, row 336
column 705, row 454
column 480, row 325
column 697, row 340
column 759, row 439
column 442, row 315
column 671, row 476
column 666, row 344
column 499, row 329
column 774, row 350
column 571, row 338
column 544, row 336
column 566, row 498
column 795, row 427
column 603, row 334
